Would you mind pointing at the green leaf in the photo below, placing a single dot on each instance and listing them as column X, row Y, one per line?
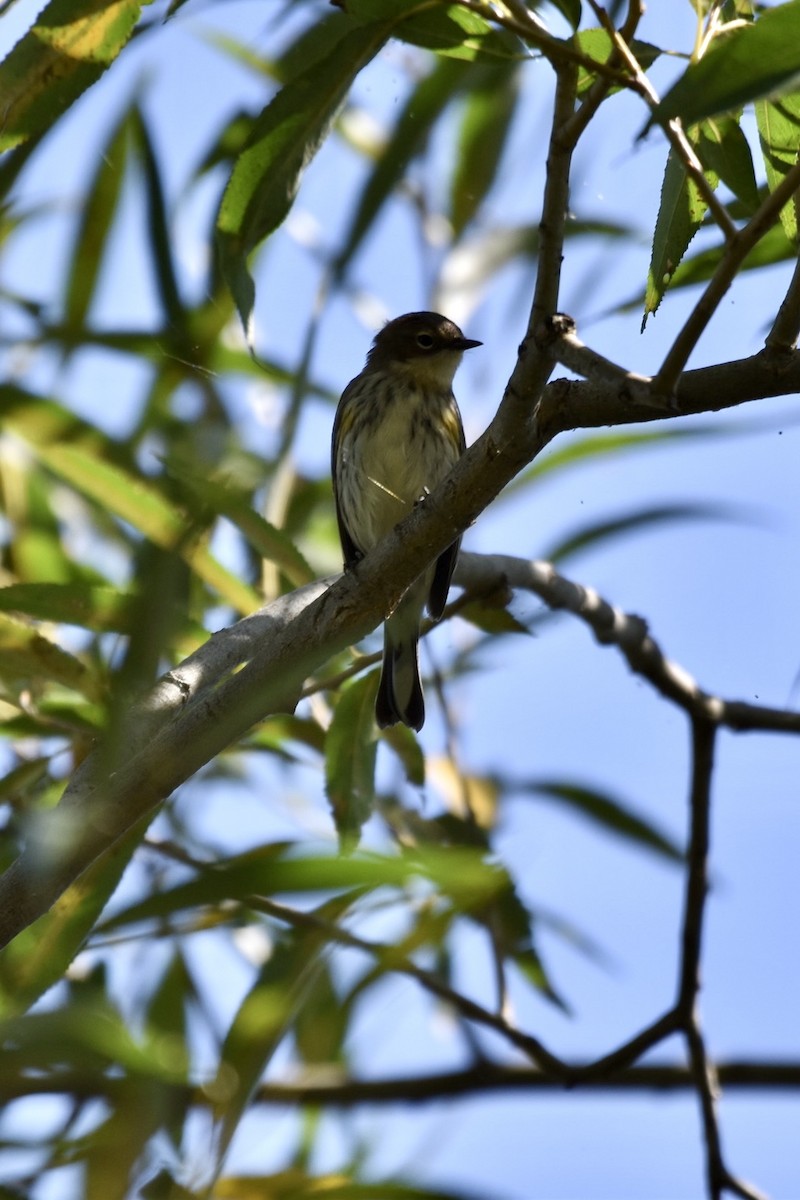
column 597, row 44
column 724, row 150
column 26, row 655
column 66, row 51
column 419, row 115
column 90, row 606
column 586, row 448
column 461, row 873
column 608, row 811
column 97, row 216
column 285, row 138
column 351, row 749
column 635, row 522
column 756, row 60
column 38, row 957
column 284, row 985
column 485, row 124
column 226, row 500
column 779, row 133
column 159, row 226
column 83, row 457
column 680, row 215
column 403, row 742
column 446, row 29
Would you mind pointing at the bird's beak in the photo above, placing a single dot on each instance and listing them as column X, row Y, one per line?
column 467, row 344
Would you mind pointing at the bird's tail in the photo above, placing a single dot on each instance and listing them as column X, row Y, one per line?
column 399, row 696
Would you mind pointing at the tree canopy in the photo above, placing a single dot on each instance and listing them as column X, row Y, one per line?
column 225, row 893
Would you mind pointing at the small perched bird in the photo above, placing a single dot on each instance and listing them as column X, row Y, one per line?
column 397, row 433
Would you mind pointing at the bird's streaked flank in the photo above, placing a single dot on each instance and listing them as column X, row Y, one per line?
column 397, row 434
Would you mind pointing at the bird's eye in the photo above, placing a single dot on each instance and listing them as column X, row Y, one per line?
column 425, row 341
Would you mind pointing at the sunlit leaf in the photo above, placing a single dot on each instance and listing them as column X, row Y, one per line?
column 67, row 49
column 462, row 874
column 779, row 134
column 88, row 605
column 444, row 28
column 38, row 956
column 597, row 44
column 755, row 60
column 69, row 448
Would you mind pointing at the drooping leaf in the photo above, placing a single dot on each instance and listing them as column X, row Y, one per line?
column 284, row 139
column 596, row 532
column 488, row 109
column 68, row 48
column 420, row 113
column 608, row 811
column 84, row 458
column 755, row 60
column 351, row 748
column 269, row 542
column 444, row 28
column 724, row 150
column 97, row 216
column 680, row 215
column 90, row 606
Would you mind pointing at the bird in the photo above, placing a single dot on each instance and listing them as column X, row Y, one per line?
column 397, row 433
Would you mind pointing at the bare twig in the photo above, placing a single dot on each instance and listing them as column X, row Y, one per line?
column 786, row 329
column 629, row 633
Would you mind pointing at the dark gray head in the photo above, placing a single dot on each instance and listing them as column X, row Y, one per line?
column 425, row 343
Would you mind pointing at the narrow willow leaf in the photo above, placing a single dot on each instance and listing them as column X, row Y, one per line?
column 724, row 149
column 65, row 52
column 489, row 107
column 39, row 956
column 597, row 44
column 351, row 748
column 587, row 447
column 158, row 223
column 84, row 458
column 97, row 216
column 285, row 138
column 26, row 655
column 269, row 1010
column 268, row 541
column 680, row 215
column 445, row 28
column 464, row 875
column 597, row 532
column 420, row 113
column 779, row 134
column 404, row 744
column 609, row 812
column 90, row 606
column 756, row 60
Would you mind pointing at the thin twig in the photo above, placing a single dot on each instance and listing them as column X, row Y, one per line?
column 786, row 328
